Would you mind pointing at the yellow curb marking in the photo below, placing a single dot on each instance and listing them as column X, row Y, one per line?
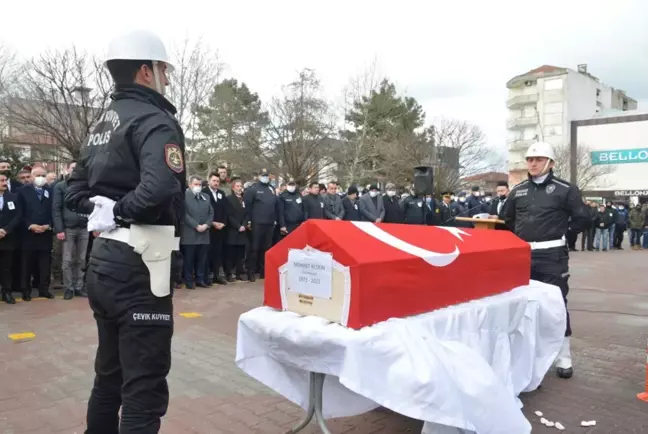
column 21, row 336
column 190, row 315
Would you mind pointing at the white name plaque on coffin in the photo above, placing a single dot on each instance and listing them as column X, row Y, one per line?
column 310, row 272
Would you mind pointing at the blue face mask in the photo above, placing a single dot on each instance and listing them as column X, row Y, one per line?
column 428, row 200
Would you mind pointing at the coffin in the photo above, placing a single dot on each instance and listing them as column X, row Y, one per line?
column 361, row 273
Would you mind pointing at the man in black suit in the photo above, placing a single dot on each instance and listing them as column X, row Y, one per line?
column 5, row 169
column 237, row 235
column 9, row 221
column 497, row 205
column 36, row 202
column 217, row 232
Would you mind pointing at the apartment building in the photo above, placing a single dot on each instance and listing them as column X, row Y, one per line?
column 543, row 102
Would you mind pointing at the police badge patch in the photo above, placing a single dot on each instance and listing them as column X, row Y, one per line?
column 173, row 158
column 550, row 188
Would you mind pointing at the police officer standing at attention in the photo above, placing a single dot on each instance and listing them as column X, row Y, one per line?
column 261, row 205
column 539, row 210
column 131, row 180
column 291, row 209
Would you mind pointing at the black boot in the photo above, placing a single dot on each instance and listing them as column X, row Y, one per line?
column 68, row 294
column 81, row 293
column 7, row 297
column 46, row 294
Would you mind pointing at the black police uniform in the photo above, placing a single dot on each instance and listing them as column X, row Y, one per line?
column 542, row 212
column 135, row 156
column 414, row 210
column 291, row 210
column 261, row 204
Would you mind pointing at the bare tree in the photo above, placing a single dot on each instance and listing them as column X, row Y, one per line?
column 359, row 150
column 588, row 175
column 55, row 101
column 198, row 71
column 300, row 135
column 466, row 144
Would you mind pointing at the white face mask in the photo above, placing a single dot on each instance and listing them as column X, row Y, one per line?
column 391, row 193
column 196, row 189
column 476, row 194
column 264, row 179
column 620, row 207
column 373, row 193
column 452, row 198
column 487, row 199
column 462, row 199
column 40, row 181
column 291, row 189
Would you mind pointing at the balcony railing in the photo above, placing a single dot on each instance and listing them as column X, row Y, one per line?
column 521, row 100
column 522, row 122
column 520, row 145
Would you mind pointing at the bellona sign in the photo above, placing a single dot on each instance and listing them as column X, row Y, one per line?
column 623, row 156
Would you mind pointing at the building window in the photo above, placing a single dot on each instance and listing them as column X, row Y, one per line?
column 625, row 104
column 598, row 92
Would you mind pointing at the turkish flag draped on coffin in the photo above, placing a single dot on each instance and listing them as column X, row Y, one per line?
column 383, row 270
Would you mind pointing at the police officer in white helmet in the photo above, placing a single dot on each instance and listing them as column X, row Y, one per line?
column 540, row 210
column 131, row 179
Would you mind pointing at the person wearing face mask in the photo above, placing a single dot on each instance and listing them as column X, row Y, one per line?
column 195, row 239
column 612, row 228
column 131, row 180
column 291, row 208
column 459, row 209
column 393, row 211
column 486, row 204
column 474, row 204
column 638, row 220
column 261, row 204
column 445, row 211
column 620, row 226
column 333, row 209
column 414, row 209
column 314, row 203
column 432, row 211
column 371, row 206
column 540, row 210
column 587, row 238
column 36, row 245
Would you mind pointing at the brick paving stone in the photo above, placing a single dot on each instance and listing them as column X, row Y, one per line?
column 45, row 382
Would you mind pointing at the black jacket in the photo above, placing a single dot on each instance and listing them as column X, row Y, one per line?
column 36, row 211
column 414, row 210
column 351, row 211
column 261, row 204
column 62, row 216
column 313, row 206
column 541, row 212
column 236, row 218
column 135, row 156
column 10, row 217
column 291, row 209
column 605, row 219
column 393, row 211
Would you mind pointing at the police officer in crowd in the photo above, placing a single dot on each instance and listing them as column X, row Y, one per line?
column 314, row 203
column 446, row 216
column 414, row 209
column 540, row 210
column 261, row 204
column 132, row 175
column 474, row 204
column 291, row 208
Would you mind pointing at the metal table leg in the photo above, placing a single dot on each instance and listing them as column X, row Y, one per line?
column 316, row 382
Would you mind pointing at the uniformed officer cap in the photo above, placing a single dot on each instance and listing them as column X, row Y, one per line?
column 291, row 181
column 475, row 188
column 263, row 172
column 446, row 193
column 462, row 194
column 352, row 190
column 373, row 187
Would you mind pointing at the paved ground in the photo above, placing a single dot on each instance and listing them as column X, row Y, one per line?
column 45, row 381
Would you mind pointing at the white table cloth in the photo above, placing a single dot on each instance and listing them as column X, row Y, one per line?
column 459, row 369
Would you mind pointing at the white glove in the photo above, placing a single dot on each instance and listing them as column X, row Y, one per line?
column 102, row 218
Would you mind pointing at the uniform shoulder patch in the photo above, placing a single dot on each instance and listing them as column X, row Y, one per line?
column 173, row 157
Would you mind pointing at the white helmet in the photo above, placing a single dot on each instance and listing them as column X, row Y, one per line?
column 138, row 45
column 541, row 149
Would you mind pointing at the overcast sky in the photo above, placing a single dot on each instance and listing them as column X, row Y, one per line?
column 455, row 56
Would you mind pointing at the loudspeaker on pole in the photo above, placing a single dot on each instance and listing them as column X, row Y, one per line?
column 423, row 180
